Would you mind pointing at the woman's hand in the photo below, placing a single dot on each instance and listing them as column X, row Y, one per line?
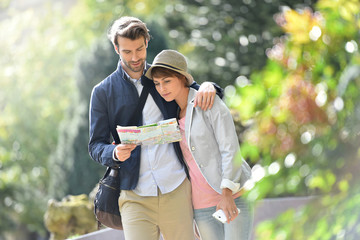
column 227, row 204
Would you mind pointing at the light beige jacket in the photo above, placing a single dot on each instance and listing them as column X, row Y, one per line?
column 214, row 144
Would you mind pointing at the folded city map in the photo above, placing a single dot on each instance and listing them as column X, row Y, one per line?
column 165, row 131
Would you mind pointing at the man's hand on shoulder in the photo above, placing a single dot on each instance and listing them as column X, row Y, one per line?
column 204, row 98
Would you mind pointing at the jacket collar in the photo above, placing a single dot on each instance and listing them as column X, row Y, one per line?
column 189, row 113
column 191, row 96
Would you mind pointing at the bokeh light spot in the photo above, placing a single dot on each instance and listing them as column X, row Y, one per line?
column 315, row 33
column 290, row 160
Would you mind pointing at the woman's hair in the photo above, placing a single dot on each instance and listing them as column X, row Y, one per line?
column 160, row 72
column 128, row 27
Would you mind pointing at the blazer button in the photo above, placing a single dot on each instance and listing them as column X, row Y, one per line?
column 193, row 148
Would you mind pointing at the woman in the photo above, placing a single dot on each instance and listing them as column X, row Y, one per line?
column 210, row 146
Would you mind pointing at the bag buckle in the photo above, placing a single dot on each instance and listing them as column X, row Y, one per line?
column 113, row 172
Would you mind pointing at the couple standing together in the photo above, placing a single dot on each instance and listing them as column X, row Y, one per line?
column 165, row 187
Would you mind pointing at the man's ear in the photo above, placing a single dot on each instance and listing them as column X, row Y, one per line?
column 116, row 49
column 146, row 43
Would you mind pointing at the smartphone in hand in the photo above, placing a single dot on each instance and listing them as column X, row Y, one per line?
column 220, row 215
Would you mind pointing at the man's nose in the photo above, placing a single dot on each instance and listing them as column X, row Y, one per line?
column 134, row 57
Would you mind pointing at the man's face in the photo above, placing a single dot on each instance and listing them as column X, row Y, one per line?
column 132, row 54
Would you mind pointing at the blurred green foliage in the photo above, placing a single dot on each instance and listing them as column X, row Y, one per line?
column 32, row 103
column 39, row 52
column 224, row 40
column 303, row 123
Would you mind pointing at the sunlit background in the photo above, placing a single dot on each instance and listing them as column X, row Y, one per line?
column 291, row 74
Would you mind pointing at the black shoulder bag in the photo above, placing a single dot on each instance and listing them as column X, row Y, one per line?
column 106, row 200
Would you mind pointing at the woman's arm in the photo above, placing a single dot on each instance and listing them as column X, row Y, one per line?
column 224, row 131
column 226, row 137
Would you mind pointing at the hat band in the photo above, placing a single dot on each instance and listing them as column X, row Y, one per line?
column 169, row 66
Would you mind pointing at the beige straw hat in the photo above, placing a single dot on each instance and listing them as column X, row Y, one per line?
column 173, row 60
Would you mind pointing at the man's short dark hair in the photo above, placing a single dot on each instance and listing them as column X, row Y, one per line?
column 128, row 27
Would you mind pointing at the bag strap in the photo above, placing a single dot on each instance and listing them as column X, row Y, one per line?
column 137, row 113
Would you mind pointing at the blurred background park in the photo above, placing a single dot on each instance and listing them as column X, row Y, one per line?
column 291, row 74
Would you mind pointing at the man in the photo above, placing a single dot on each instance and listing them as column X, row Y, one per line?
column 155, row 191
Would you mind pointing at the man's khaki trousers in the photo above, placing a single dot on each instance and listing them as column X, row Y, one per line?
column 171, row 214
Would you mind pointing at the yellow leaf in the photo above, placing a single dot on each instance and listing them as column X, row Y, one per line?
column 299, row 25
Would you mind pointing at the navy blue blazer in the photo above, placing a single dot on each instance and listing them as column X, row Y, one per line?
column 112, row 103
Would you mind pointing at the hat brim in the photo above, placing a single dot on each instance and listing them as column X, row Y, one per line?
column 188, row 76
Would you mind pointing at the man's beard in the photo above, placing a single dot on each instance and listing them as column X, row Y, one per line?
column 136, row 69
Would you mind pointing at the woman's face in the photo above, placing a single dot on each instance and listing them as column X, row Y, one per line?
column 170, row 87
